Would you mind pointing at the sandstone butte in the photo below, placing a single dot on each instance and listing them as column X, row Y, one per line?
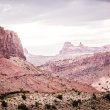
column 10, row 44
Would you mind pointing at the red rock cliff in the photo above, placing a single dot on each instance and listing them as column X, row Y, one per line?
column 10, row 44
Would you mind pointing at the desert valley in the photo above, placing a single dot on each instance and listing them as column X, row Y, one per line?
column 54, row 55
column 77, row 78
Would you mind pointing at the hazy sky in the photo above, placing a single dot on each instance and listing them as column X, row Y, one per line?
column 44, row 25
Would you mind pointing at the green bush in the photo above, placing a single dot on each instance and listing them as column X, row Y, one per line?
column 93, row 107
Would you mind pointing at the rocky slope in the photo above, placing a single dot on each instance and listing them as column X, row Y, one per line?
column 10, row 44
column 85, row 69
column 16, row 73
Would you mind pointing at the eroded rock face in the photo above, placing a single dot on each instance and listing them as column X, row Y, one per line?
column 68, row 47
column 10, row 44
column 85, row 69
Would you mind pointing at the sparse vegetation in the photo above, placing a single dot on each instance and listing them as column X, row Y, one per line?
column 107, row 96
column 93, row 104
column 50, row 107
column 59, row 96
column 79, row 92
column 24, row 97
column 94, row 96
column 3, row 96
column 4, row 104
column 36, row 104
column 50, row 101
column 76, row 103
column 22, row 107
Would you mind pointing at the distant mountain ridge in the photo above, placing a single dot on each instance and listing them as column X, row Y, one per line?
column 69, row 48
column 68, row 51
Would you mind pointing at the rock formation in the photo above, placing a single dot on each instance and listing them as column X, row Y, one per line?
column 68, row 47
column 85, row 69
column 10, row 44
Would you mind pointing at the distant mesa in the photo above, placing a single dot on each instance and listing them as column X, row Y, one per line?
column 10, row 44
column 68, row 45
column 69, row 48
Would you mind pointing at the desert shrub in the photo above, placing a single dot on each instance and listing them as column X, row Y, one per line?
column 56, row 102
column 36, row 104
column 94, row 96
column 22, row 107
column 76, row 103
column 47, row 106
column 107, row 96
column 4, row 104
column 74, row 90
column 93, row 104
column 79, row 101
column 53, row 107
column 79, row 92
column 59, row 96
column 24, row 97
column 93, row 107
column 3, row 96
column 50, row 107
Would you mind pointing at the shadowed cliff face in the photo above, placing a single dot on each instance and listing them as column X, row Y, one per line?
column 10, row 44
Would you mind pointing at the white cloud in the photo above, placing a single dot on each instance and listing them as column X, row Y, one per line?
column 5, row 8
column 42, row 37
